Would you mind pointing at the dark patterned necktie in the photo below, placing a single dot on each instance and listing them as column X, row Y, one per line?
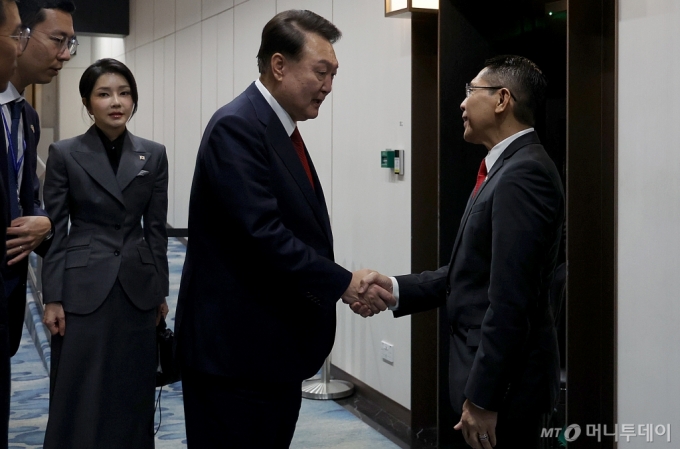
column 15, row 109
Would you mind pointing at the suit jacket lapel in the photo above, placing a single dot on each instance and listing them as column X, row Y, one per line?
column 3, row 170
column 463, row 221
column 29, row 132
column 3, row 158
column 283, row 146
column 92, row 157
column 324, row 216
column 518, row 143
column 132, row 160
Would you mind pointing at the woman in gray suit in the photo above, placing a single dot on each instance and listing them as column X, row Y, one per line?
column 105, row 278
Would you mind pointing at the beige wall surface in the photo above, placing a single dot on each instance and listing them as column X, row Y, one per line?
column 191, row 57
column 648, row 217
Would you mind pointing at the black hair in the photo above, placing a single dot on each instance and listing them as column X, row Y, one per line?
column 102, row 67
column 285, row 34
column 32, row 12
column 523, row 79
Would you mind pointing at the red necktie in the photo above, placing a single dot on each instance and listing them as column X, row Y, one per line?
column 300, row 150
column 481, row 176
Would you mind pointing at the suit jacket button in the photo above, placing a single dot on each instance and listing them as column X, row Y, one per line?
column 116, row 253
column 117, row 227
column 448, row 290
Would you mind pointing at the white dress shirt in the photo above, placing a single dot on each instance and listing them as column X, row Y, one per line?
column 287, row 122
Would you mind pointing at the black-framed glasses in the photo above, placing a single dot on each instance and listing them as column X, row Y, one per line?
column 63, row 42
column 22, row 37
column 469, row 88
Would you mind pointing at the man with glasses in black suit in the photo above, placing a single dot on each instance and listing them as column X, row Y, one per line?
column 13, row 40
column 503, row 358
column 29, row 229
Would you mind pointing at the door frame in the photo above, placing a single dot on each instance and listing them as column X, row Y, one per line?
column 591, row 213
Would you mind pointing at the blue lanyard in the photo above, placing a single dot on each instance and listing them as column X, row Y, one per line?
column 16, row 164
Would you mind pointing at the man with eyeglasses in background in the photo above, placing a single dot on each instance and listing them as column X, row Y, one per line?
column 12, row 40
column 52, row 42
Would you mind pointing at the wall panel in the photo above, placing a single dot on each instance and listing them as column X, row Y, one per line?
column 144, row 76
column 163, row 18
column 188, row 12
column 371, row 207
column 187, row 116
column 169, row 77
column 208, row 70
column 225, row 57
column 648, row 216
column 144, row 28
column 249, row 19
column 324, row 8
column 214, row 7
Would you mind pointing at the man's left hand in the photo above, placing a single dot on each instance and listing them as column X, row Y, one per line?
column 28, row 233
column 478, row 426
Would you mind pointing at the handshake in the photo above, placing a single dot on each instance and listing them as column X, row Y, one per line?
column 369, row 293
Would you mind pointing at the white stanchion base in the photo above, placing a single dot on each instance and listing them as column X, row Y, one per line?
column 335, row 389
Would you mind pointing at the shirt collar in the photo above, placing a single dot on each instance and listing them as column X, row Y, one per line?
column 117, row 143
column 10, row 94
column 287, row 122
column 496, row 151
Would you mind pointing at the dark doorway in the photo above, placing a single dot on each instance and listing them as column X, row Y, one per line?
column 577, row 52
column 471, row 32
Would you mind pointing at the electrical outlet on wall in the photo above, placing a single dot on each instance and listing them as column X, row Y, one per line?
column 387, row 352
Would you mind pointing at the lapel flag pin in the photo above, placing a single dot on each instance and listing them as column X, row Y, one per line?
column 142, row 158
column 32, row 128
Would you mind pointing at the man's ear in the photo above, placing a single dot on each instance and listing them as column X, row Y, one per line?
column 503, row 101
column 278, row 66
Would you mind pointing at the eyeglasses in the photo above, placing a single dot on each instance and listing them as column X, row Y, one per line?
column 469, row 88
column 21, row 38
column 62, row 43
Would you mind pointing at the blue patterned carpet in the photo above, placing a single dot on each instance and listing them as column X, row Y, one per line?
column 322, row 424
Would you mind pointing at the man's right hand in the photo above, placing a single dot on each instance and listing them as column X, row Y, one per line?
column 353, row 298
column 54, row 318
column 374, row 288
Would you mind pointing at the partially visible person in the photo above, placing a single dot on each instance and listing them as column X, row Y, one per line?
column 504, row 358
column 13, row 38
column 105, row 278
column 51, row 44
column 259, row 276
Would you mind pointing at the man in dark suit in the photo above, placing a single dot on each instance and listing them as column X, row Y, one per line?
column 256, row 308
column 12, row 41
column 503, row 360
column 51, row 43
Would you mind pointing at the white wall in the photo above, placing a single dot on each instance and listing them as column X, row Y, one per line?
column 196, row 56
column 648, row 215
column 371, row 208
column 73, row 119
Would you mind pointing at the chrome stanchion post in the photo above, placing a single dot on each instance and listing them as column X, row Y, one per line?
column 325, row 387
